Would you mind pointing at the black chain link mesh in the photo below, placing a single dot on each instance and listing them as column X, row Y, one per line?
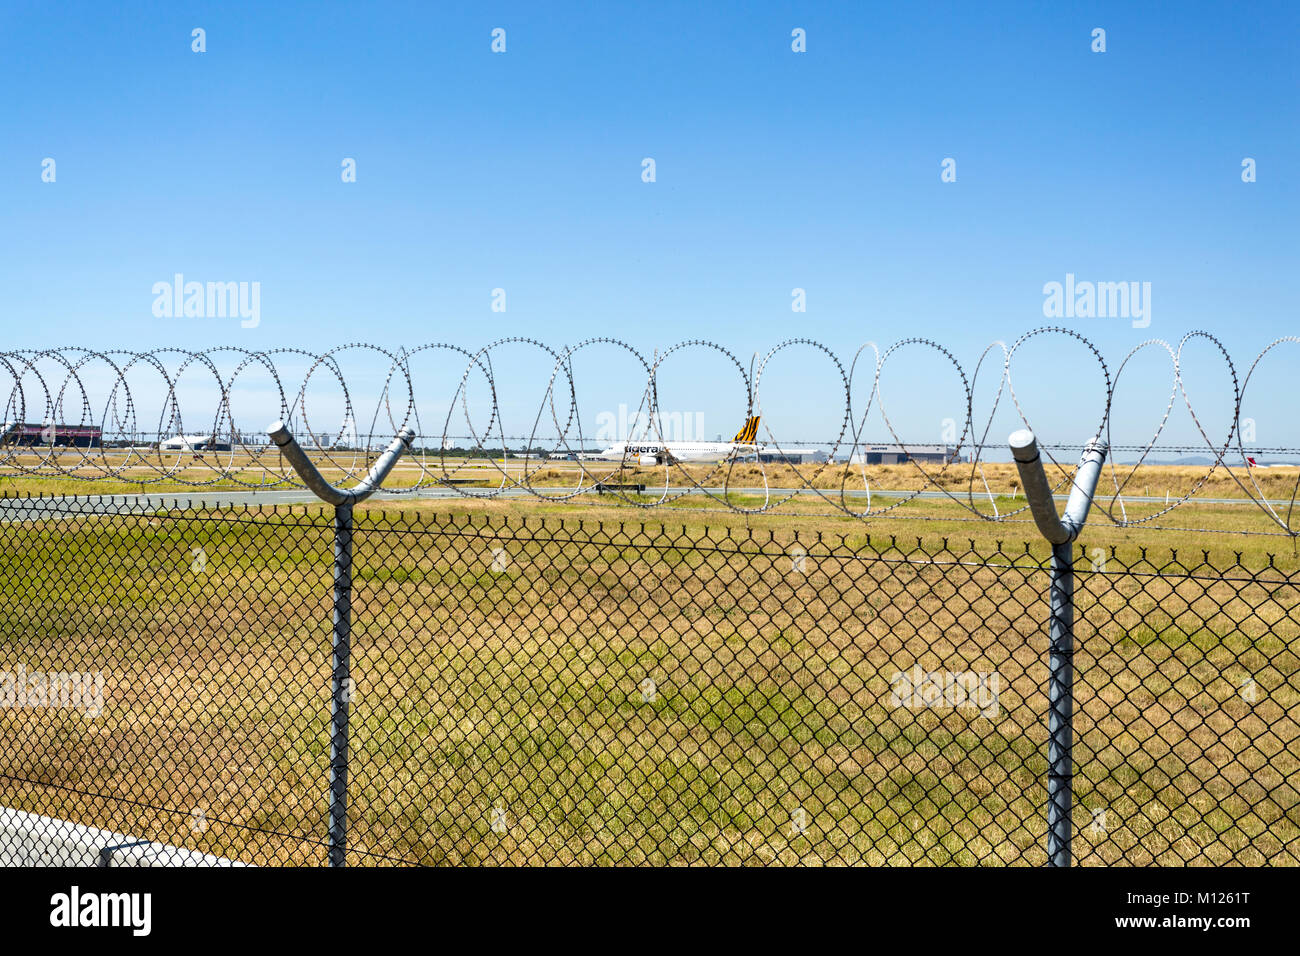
column 562, row 691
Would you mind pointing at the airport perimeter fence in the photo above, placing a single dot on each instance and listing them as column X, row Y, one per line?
column 564, row 691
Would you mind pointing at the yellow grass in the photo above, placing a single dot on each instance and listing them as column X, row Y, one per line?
column 501, row 655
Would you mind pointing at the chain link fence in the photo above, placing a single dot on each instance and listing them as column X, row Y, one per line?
column 529, row 690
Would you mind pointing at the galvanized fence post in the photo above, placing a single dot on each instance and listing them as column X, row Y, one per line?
column 1060, row 533
column 1060, row 706
column 340, row 684
column 341, row 644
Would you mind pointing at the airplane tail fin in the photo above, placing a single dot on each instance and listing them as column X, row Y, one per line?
column 748, row 432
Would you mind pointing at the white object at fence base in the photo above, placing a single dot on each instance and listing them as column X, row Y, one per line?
column 29, row 839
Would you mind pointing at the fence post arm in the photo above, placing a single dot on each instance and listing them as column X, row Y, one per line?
column 341, row 643
column 314, row 480
column 1060, row 532
column 1038, row 492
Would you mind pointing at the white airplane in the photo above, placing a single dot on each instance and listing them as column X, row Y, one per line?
column 658, row 453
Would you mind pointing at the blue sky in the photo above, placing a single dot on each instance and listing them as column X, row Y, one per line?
column 774, row 170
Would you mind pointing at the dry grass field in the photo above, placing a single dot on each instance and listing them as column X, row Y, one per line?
column 597, row 683
column 81, row 472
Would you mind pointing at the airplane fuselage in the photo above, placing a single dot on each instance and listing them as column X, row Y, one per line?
column 660, row 452
column 672, row 451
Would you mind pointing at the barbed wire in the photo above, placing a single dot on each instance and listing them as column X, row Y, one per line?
column 70, row 413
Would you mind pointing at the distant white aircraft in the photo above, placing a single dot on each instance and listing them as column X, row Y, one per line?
column 658, row 453
column 183, row 442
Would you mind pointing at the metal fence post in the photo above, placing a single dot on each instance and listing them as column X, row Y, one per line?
column 340, row 688
column 341, row 653
column 1060, row 533
column 1060, row 706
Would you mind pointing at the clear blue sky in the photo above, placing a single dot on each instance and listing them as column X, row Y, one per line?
column 775, row 170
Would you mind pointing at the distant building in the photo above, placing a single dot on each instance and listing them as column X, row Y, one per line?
column 23, row 433
column 771, row 453
column 193, row 443
column 898, row 454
